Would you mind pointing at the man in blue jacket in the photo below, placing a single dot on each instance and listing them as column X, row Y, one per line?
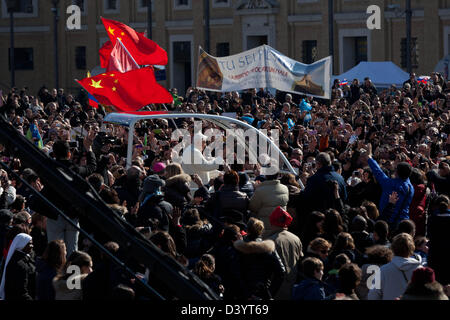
column 319, row 191
column 399, row 184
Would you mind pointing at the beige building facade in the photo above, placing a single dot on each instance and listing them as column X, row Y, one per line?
column 297, row 28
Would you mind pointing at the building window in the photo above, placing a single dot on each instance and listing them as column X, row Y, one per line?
column 81, row 4
column 309, row 51
column 23, row 59
column 21, row 8
column 223, row 49
column 182, row 4
column 80, row 58
column 111, row 6
column 360, row 49
column 221, row 3
column 142, row 5
column 414, row 53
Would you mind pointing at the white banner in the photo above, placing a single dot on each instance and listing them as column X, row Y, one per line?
column 264, row 67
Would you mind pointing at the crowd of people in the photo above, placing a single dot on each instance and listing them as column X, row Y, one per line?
column 368, row 221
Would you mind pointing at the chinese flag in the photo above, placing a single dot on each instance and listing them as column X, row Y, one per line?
column 143, row 50
column 105, row 54
column 128, row 91
column 120, row 60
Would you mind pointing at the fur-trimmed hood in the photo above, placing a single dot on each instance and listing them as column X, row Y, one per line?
column 252, row 247
column 178, row 179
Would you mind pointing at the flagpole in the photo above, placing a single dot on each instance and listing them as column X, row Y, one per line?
column 128, row 52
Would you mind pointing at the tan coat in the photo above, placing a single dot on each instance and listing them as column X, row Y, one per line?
column 289, row 248
column 267, row 197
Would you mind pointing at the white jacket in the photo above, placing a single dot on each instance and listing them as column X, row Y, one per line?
column 394, row 278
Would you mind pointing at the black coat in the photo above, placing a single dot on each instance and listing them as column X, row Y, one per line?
column 228, row 198
column 228, row 268
column 154, row 208
column 44, row 281
column 319, row 193
column 20, row 277
column 261, row 267
column 438, row 255
column 442, row 184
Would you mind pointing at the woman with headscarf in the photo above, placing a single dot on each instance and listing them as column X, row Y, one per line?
column 19, row 273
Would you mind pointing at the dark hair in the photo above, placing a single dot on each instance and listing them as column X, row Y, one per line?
column 417, row 177
column 379, row 255
column 122, row 293
column 21, row 218
column 333, row 224
column 55, row 254
column 205, row 266
column 231, row 178
column 230, row 233
column 18, row 203
column 344, row 241
column 61, row 149
column 165, row 242
column 382, row 229
column 96, row 180
column 340, row 260
column 288, row 179
column 407, row 226
column 404, row 170
column 310, row 266
column 349, row 277
column 110, row 196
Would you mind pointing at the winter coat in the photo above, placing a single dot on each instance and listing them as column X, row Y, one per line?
column 312, row 289
column 20, row 277
column 228, row 268
column 229, row 198
column 261, row 267
column 417, row 209
column 154, row 208
column 289, row 248
column 177, row 191
column 197, row 238
column 438, row 254
column 394, row 278
column 442, row 184
column 319, row 193
column 44, row 281
column 404, row 188
column 267, row 197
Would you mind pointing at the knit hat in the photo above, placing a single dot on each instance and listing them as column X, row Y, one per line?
column 280, row 218
column 158, row 167
column 423, row 276
column 153, row 184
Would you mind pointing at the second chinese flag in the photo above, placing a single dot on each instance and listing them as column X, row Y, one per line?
column 128, row 91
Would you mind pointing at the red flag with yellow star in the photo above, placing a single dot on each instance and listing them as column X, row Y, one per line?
column 142, row 49
column 128, row 91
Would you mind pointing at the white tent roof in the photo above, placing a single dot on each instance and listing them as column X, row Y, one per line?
column 383, row 74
